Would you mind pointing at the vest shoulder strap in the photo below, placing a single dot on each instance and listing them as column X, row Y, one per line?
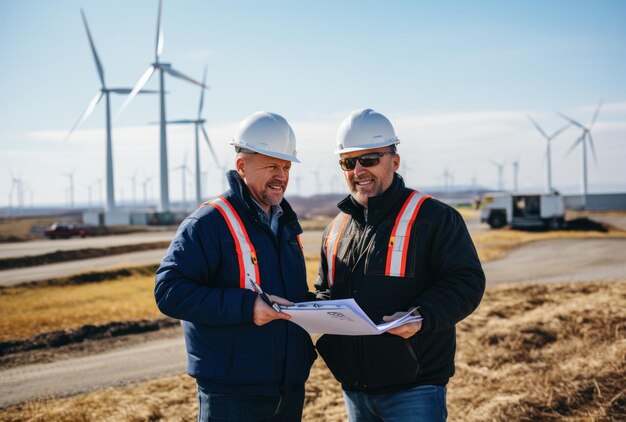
column 331, row 243
column 246, row 254
column 400, row 235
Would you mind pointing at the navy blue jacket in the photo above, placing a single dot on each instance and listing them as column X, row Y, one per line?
column 198, row 282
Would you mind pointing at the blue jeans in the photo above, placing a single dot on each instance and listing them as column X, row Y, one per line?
column 231, row 407
column 423, row 403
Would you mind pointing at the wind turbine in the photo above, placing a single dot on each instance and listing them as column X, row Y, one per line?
column 70, row 176
column 145, row 182
column 184, row 168
column 500, row 167
column 447, row 181
column 133, row 180
column 583, row 139
column 515, row 171
column 104, row 92
column 199, row 126
column 164, row 203
column 548, row 139
column 17, row 185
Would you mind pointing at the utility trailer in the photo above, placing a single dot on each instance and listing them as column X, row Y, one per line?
column 523, row 210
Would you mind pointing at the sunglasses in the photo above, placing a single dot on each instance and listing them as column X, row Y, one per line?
column 366, row 160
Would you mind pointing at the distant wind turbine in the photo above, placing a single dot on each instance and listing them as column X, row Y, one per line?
column 184, row 168
column 584, row 138
column 515, row 172
column 145, row 183
column 104, row 92
column 70, row 176
column 198, row 122
column 17, row 186
column 164, row 203
column 548, row 139
column 500, row 167
column 133, row 180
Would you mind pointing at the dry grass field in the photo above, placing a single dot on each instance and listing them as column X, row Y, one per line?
column 550, row 352
column 531, row 352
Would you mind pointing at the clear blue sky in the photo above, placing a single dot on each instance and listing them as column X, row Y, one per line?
column 456, row 78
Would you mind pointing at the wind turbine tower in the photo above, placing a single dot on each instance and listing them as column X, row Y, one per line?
column 584, row 138
column 500, row 167
column 548, row 139
column 184, row 168
column 199, row 126
column 104, row 92
column 164, row 202
column 145, row 190
column 70, row 177
column 515, row 172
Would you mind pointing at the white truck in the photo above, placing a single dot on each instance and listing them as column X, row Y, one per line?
column 523, row 210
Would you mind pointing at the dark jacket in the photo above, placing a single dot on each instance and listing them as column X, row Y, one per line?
column 443, row 278
column 198, row 282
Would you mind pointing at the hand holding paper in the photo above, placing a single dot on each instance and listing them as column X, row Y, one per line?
column 406, row 330
column 343, row 317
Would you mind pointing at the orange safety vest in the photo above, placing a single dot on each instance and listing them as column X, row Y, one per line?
column 398, row 242
column 246, row 254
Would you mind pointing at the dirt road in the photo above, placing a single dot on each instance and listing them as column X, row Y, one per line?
column 539, row 262
column 64, row 269
column 39, row 247
column 117, row 367
column 561, row 260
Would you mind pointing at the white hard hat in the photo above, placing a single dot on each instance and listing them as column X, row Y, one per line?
column 268, row 134
column 365, row 129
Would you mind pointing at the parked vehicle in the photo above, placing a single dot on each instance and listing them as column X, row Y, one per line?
column 67, row 230
column 523, row 211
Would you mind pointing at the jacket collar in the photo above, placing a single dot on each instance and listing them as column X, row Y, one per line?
column 377, row 206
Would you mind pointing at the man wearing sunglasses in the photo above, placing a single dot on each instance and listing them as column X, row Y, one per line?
column 394, row 250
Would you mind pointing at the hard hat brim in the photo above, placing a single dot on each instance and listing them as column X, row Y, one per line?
column 274, row 154
column 392, row 141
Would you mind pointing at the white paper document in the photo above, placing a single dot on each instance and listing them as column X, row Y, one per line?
column 343, row 317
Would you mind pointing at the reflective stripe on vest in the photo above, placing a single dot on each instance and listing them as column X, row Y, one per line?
column 399, row 240
column 332, row 242
column 248, row 265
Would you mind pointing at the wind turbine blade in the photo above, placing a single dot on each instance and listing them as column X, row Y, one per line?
column 208, row 142
column 558, row 132
column 181, row 122
column 159, row 41
column 572, row 121
column 90, row 108
column 140, row 84
column 179, row 75
column 595, row 114
column 202, row 94
column 574, row 145
column 593, row 149
column 129, row 90
column 537, row 127
column 93, row 50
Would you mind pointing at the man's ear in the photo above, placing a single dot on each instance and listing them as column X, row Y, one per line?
column 240, row 165
column 396, row 162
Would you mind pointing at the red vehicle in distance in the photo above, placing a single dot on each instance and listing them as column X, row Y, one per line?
column 66, row 230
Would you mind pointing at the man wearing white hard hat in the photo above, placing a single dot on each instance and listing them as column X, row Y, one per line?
column 394, row 250
column 231, row 263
